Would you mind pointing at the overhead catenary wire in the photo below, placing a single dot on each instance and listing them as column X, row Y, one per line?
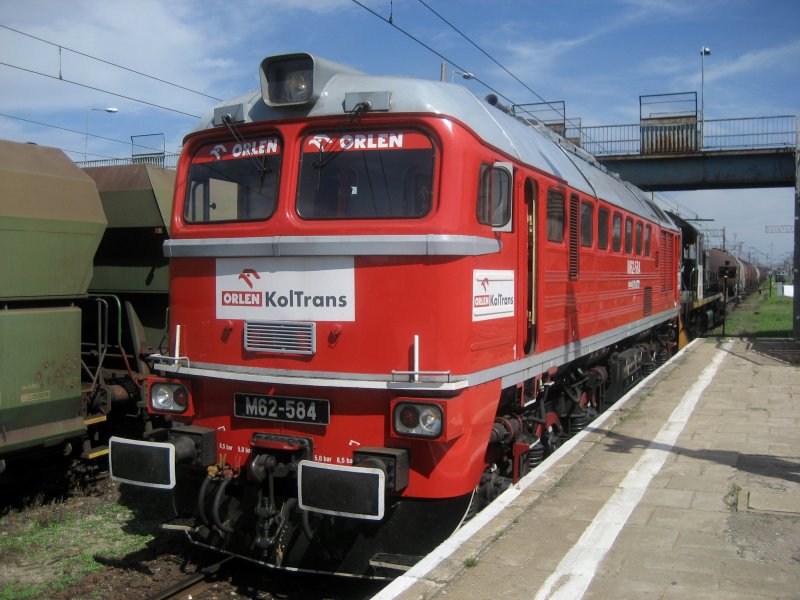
column 429, row 48
column 82, row 133
column 108, row 62
column 493, row 59
column 390, row 21
column 97, row 89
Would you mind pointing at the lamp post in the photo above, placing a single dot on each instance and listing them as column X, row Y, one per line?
column 704, row 51
column 110, row 109
column 464, row 74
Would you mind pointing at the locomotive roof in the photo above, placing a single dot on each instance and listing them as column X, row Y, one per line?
column 527, row 141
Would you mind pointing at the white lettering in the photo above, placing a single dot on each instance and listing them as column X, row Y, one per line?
column 371, row 141
column 634, row 267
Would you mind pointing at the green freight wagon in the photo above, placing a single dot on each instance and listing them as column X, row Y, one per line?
column 131, row 278
column 51, row 222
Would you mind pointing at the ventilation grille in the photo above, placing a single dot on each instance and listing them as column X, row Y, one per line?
column 283, row 337
column 648, row 301
column 574, row 215
column 667, row 264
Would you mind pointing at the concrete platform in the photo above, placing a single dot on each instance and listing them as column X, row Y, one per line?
column 689, row 487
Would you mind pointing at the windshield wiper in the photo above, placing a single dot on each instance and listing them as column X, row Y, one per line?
column 263, row 166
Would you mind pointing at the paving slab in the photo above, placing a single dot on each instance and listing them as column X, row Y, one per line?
column 719, row 516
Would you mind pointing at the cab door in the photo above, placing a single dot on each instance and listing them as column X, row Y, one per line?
column 531, row 193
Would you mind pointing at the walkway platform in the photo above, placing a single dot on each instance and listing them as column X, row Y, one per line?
column 689, row 487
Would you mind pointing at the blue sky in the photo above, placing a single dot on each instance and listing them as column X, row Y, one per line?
column 597, row 56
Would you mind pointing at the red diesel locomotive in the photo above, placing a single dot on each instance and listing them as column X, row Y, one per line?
column 388, row 300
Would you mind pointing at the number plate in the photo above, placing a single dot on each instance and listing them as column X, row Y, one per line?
column 280, row 408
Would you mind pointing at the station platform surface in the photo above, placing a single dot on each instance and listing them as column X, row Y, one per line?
column 688, row 487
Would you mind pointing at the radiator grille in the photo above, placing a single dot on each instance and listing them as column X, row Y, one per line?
column 648, row 301
column 667, row 268
column 283, row 337
column 574, row 215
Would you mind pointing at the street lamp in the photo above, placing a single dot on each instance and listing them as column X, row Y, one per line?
column 110, row 109
column 464, row 74
column 704, row 51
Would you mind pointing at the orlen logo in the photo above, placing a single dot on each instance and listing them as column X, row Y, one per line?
column 484, row 299
column 481, row 301
column 236, row 298
column 322, row 142
column 358, row 141
column 218, row 151
column 247, row 275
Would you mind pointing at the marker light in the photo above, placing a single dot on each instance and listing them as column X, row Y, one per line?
column 168, row 397
column 418, row 419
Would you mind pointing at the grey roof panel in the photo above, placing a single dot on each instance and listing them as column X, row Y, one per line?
column 534, row 145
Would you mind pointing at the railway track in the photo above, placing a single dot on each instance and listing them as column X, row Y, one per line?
column 198, row 583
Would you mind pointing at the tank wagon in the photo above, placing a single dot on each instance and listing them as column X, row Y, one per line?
column 52, row 222
column 732, row 276
column 388, row 300
column 710, row 280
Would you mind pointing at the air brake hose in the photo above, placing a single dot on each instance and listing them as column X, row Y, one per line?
column 201, row 505
column 307, row 525
column 215, row 506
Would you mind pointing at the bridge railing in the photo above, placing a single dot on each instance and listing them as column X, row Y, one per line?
column 711, row 135
column 165, row 161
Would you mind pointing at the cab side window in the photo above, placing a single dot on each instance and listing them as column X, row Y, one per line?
column 555, row 216
column 602, row 229
column 587, row 224
column 617, row 233
column 494, row 196
column 628, row 236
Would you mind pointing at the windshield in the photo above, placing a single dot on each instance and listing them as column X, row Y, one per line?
column 233, row 181
column 366, row 175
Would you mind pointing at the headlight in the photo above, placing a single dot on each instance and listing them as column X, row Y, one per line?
column 297, row 79
column 288, row 80
column 169, row 397
column 418, row 419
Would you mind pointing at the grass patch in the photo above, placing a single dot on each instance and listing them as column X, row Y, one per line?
column 760, row 315
column 731, row 499
column 54, row 547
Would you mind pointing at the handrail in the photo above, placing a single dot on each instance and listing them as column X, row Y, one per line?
column 745, row 133
column 165, row 161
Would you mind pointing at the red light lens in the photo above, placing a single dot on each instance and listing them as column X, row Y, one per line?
column 181, row 397
column 409, row 416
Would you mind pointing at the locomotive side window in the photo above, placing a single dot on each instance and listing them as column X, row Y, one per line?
column 494, row 196
column 648, row 232
column 638, row 237
column 369, row 175
column 233, row 182
column 617, row 233
column 602, row 229
column 555, row 216
column 628, row 235
column 587, row 224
